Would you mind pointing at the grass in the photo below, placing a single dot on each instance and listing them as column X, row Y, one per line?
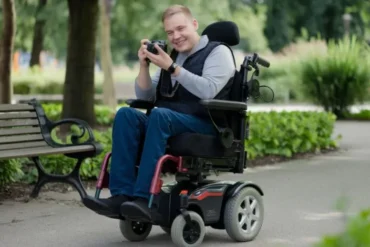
column 46, row 75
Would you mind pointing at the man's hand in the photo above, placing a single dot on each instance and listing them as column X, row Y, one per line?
column 162, row 60
column 142, row 53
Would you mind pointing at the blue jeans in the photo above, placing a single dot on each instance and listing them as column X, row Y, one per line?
column 129, row 127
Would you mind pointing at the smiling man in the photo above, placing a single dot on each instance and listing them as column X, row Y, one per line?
column 197, row 69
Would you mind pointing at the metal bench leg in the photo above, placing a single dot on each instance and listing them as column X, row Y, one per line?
column 72, row 178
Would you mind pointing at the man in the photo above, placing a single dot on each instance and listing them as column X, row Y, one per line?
column 206, row 72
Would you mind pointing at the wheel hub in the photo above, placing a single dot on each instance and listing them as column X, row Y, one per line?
column 248, row 214
column 138, row 227
column 191, row 232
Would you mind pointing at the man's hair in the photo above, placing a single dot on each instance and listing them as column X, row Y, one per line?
column 174, row 9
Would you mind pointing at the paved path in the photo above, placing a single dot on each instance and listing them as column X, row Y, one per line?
column 299, row 202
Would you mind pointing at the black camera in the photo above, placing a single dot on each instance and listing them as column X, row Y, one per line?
column 161, row 43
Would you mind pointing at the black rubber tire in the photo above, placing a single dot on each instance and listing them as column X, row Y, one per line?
column 178, row 226
column 134, row 231
column 231, row 216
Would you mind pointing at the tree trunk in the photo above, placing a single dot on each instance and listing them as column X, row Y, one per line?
column 79, row 90
column 109, row 97
column 6, row 51
column 38, row 36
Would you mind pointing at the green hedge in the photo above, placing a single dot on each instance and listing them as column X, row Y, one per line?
column 271, row 133
column 289, row 133
column 361, row 115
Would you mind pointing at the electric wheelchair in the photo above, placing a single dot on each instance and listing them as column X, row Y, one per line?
column 186, row 206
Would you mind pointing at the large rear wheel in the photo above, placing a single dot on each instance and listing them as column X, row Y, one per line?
column 244, row 214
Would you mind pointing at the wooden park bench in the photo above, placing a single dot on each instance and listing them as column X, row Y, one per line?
column 25, row 132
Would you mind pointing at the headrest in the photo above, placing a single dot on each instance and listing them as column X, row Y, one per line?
column 223, row 31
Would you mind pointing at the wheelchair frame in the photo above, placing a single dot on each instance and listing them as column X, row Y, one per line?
column 185, row 207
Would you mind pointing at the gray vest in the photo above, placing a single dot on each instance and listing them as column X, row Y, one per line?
column 179, row 99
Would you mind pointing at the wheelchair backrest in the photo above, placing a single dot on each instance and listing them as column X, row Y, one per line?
column 223, row 31
column 228, row 32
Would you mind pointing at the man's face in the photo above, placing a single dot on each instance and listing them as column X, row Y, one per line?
column 181, row 32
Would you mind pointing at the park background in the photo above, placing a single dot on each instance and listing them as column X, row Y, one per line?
column 84, row 53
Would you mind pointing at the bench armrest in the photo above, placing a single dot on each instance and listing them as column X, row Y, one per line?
column 215, row 104
column 80, row 123
column 141, row 104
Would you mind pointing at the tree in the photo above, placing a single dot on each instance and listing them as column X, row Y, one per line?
column 109, row 96
column 78, row 100
column 38, row 34
column 278, row 30
column 6, row 51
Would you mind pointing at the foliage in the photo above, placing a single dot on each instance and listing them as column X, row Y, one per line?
column 251, row 24
column 104, row 114
column 278, row 31
column 282, row 78
column 51, row 81
column 288, row 133
column 356, row 233
column 56, row 26
column 10, row 171
column 271, row 133
column 339, row 78
column 361, row 115
column 133, row 20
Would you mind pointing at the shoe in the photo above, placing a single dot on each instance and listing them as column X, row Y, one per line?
column 137, row 210
column 109, row 207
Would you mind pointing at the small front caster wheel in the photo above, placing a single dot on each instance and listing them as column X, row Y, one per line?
column 134, row 231
column 185, row 235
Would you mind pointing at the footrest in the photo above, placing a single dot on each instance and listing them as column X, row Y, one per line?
column 134, row 212
column 99, row 207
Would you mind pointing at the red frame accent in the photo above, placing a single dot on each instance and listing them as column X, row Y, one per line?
column 206, row 194
column 157, row 182
column 103, row 179
column 156, row 185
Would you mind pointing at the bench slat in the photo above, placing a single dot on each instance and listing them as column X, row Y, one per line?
column 15, row 107
column 13, row 123
column 17, row 115
column 23, row 145
column 39, row 151
column 19, row 131
column 21, row 138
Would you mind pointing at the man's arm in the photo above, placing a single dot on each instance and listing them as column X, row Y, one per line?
column 218, row 68
column 145, row 86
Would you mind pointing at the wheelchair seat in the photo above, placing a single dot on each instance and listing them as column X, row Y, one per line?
column 197, row 145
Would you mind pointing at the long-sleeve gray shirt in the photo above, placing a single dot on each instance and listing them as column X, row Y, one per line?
column 218, row 68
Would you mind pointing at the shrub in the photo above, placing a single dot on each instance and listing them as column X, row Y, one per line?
column 356, row 233
column 29, row 86
column 339, row 78
column 283, row 78
column 104, row 114
column 362, row 115
column 288, row 133
column 10, row 171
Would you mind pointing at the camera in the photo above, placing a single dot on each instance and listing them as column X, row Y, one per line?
column 161, row 43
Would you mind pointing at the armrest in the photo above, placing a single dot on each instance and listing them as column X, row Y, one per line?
column 215, row 104
column 139, row 103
